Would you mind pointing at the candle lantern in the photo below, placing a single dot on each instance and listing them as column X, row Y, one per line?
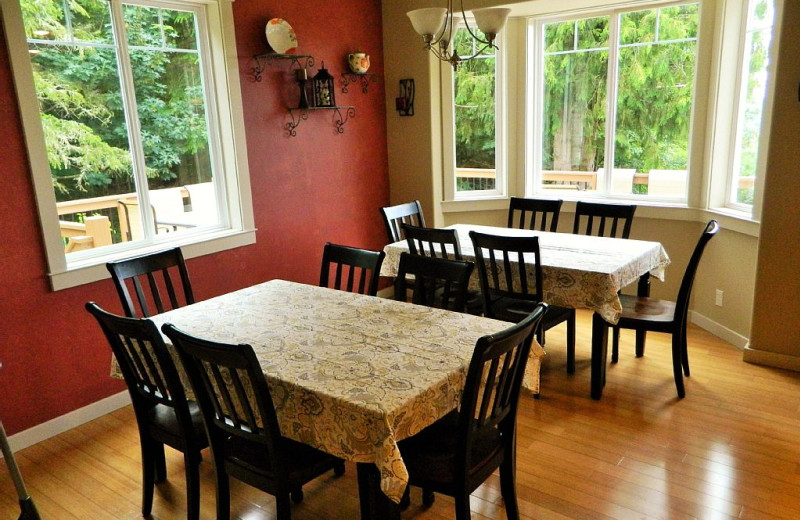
column 324, row 88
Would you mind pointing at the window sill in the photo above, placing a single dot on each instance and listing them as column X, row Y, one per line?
column 95, row 269
column 728, row 219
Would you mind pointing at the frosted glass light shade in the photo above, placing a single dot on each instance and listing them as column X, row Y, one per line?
column 427, row 21
column 491, row 20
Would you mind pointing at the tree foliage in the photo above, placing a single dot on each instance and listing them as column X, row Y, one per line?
column 78, row 84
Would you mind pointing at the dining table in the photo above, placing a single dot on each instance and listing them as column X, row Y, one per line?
column 350, row 374
column 578, row 271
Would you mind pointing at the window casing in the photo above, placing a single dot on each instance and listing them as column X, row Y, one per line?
column 475, row 112
column 182, row 163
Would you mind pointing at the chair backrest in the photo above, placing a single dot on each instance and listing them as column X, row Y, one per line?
column 612, row 220
column 534, row 213
column 432, row 242
column 232, row 393
column 508, row 267
column 146, row 365
column 492, row 388
column 438, row 282
column 351, row 264
column 161, row 272
column 682, row 302
column 394, row 216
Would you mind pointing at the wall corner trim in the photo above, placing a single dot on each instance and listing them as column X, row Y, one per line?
column 771, row 359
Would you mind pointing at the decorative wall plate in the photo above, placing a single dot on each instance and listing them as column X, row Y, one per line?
column 281, row 37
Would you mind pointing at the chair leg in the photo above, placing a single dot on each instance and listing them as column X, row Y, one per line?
column 641, row 335
column 677, row 365
column 406, row 500
column 615, row 345
column 283, row 506
column 684, row 352
column 191, row 461
column 160, row 462
column 508, row 489
column 462, row 506
column 148, row 475
column 571, row 342
column 223, row 492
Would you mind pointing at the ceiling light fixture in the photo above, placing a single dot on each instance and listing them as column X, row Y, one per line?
column 438, row 25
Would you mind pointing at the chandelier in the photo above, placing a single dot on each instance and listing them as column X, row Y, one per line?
column 437, row 26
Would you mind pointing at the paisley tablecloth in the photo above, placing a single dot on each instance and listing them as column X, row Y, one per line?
column 349, row 374
column 582, row 272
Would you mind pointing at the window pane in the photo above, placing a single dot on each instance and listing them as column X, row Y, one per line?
column 83, row 120
column 172, row 117
column 754, row 90
column 474, row 95
column 574, row 116
column 654, row 104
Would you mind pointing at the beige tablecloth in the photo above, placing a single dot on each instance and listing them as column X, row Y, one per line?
column 349, row 374
column 582, row 272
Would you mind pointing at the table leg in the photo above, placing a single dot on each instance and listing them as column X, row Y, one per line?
column 599, row 353
column 374, row 504
column 642, row 290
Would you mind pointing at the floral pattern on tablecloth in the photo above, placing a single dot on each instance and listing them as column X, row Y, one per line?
column 578, row 271
column 349, row 374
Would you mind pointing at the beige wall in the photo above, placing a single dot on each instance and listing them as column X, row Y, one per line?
column 730, row 261
column 775, row 336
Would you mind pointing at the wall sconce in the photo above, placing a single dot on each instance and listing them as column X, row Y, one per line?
column 404, row 104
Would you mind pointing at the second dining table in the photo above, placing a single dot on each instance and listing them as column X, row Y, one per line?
column 350, row 374
column 578, row 271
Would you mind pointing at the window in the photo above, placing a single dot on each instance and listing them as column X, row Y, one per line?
column 132, row 118
column 615, row 105
column 477, row 120
column 751, row 98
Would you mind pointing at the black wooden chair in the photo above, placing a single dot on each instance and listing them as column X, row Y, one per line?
column 510, row 272
column 395, row 216
column 436, row 282
column 348, row 265
column 163, row 414
column 615, row 221
column 642, row 313
column 534, row 213
column 160, row 279
column 433, row 242
column 242, row 427
column 603, row 220
column 459, row 452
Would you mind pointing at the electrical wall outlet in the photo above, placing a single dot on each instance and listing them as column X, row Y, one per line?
column 719, row 298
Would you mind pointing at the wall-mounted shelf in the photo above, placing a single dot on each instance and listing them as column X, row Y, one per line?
column 365, row 79
column 295, row 60
column 341, row 115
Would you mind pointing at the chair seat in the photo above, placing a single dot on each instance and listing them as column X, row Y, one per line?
column 514, row 310
column 430, row 456
column 164, row 425
column 637, row 308
column 303, row 462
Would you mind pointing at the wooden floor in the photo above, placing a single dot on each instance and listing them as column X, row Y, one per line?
column 730, row 449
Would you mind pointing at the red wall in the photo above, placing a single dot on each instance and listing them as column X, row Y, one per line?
column 318, row 186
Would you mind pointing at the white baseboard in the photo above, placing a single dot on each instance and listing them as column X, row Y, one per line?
column 68, row 421
column 724, row 333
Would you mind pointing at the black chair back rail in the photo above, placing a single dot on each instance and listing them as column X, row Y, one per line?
column 351, row 266
column 436, row 282
column 158, row 280
column 603, row 220
column 395, row 216
column 534, row 214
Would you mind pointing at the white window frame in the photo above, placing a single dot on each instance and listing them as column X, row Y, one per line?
column 535, row 94
column 737, row 117
column 231, row 169
column 449, row 132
